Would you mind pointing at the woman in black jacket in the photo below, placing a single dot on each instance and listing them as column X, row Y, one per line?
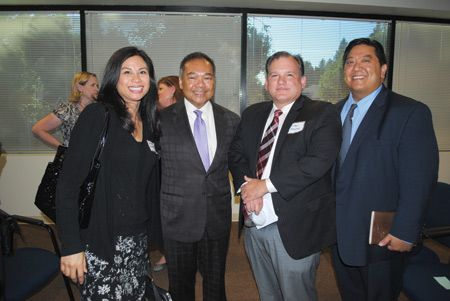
column 109, row 259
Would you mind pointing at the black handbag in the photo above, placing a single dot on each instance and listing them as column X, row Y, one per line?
column 154, row 292
column 8, row 226
column 46, row 193
column 87, row 189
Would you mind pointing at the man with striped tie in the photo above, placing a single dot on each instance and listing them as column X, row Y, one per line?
column 281, row 160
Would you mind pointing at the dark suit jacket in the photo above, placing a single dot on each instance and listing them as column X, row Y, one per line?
column 193, row 200
column 305, row 202
column 391, row 165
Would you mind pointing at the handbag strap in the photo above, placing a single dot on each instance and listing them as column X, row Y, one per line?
column 155, row 291
column 154, row 288
column 102, row 141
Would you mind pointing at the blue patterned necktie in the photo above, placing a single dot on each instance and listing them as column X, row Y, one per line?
column 346, row 134
column 201, row 138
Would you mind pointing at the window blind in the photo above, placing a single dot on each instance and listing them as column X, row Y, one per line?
column 39, row 55
column 421, row 64
column 168, row 38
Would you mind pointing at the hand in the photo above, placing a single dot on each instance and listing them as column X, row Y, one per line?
column 254, row 205
column 395, row 244
column 74, row 267
column 254, row 189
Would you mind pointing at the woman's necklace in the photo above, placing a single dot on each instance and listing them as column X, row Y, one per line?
column 81, row 106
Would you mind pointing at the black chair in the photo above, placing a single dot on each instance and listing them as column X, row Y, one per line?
column 28, row 269
column 420, row 281
column 437, row 221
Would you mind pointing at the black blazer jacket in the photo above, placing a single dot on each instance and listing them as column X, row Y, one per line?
column 301, row 171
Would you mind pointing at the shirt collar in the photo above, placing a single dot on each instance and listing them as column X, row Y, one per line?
column 363, row 104
column 284, row 109
column 206, row 109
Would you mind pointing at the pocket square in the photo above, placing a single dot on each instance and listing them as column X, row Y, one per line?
column 296, row 127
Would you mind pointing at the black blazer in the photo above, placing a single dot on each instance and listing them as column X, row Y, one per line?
column 391, row 165
column 104, row 223
column 301, row 171
column 193, row 200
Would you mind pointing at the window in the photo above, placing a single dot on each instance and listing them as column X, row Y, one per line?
column 39, row 55
column 168, row 38
column 421, row 63
column 321, row 44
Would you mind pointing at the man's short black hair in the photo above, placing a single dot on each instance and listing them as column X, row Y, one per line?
column 379, row 50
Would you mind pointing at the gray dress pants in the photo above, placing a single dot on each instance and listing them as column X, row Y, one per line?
column 278, row 276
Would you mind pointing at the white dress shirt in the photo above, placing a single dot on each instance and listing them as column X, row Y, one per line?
column 268, row 215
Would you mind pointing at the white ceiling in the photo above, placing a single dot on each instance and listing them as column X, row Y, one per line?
column 413, row 8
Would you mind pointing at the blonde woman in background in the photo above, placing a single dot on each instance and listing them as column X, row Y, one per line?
column 84, row 90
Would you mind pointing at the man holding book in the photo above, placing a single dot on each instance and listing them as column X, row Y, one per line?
column 388, row 162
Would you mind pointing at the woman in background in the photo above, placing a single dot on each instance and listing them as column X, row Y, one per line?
column 169, row 92
column 109, row 259
column 84, row 91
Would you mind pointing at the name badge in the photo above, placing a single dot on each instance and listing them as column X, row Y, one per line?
column 151, row 145
column 296, row 127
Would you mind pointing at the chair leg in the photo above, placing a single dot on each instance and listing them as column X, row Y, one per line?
column 41, row 223
column 55, row 246
column 68, row 287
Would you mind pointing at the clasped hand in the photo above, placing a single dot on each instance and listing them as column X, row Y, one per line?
column 252, row 193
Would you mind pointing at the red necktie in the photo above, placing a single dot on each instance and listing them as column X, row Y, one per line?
column 267, row 143
column 263, row 157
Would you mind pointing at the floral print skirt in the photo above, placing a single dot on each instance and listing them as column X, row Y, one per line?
column 123, row 279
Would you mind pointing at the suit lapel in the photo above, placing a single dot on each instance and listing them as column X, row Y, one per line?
column 259, row 129
column 220, row 123
column 371, row 119
column 181, row 121
column 293, row 114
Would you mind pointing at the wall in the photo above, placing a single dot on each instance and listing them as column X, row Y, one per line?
column 412, row 8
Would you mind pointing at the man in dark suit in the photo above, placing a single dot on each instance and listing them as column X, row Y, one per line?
column 195, row 188
column 287, row 191
column 391, row 165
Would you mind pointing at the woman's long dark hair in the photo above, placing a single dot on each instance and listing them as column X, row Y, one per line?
column 108, row 92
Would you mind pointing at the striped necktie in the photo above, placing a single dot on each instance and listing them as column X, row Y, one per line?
column 267, row 143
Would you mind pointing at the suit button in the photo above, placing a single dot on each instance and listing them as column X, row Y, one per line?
column 203, row 195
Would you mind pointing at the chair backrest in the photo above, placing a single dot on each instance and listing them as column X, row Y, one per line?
column 8, row 226
column 439, row 210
